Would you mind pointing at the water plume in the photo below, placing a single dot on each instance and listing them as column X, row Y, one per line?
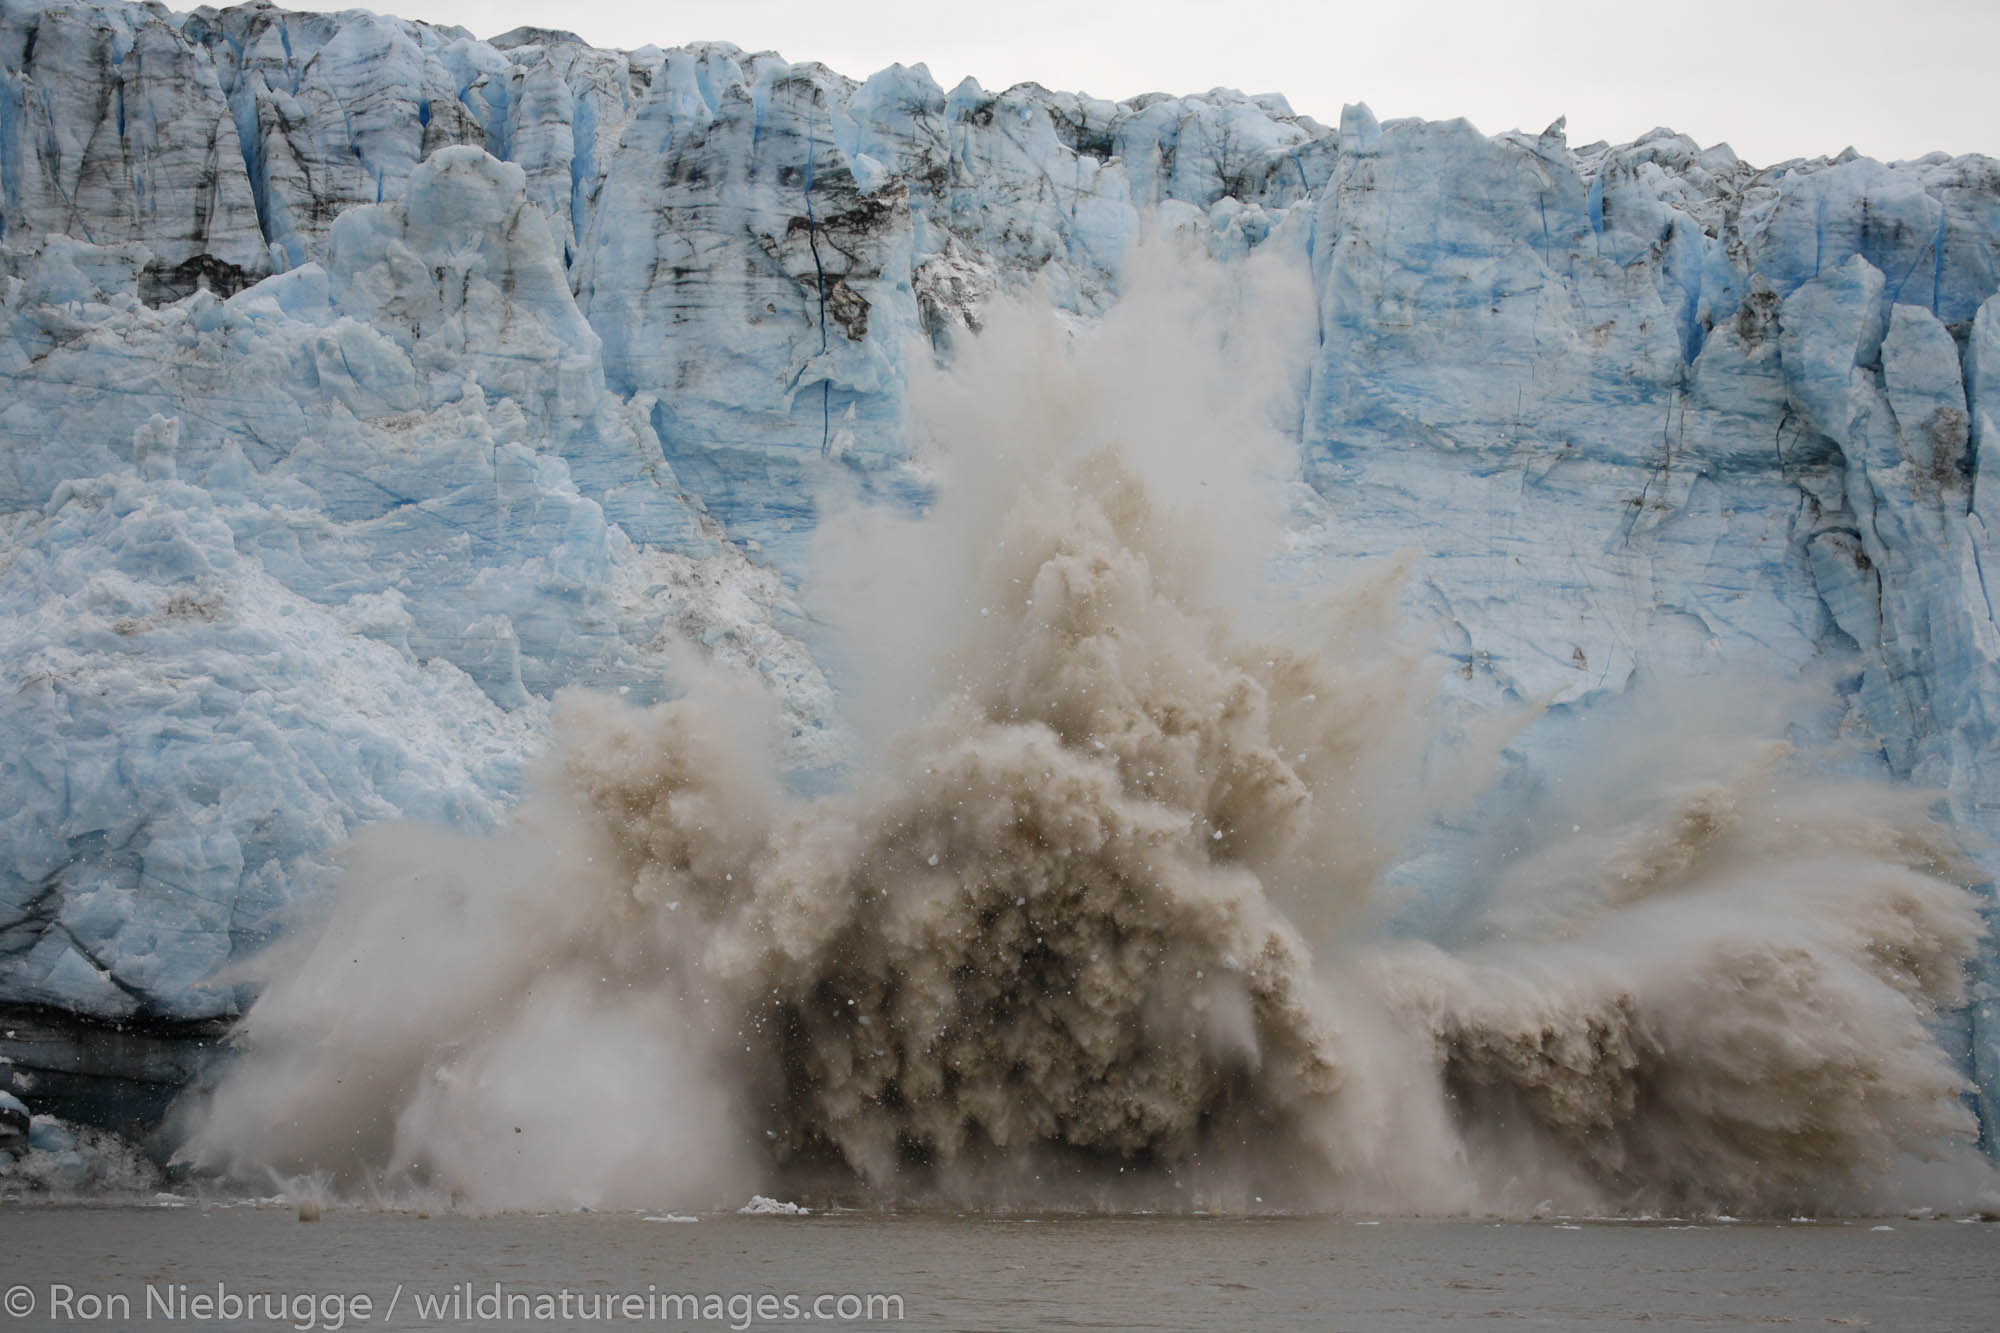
column 1097, row 919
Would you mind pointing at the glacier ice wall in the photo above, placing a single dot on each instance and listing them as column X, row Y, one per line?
column 365, row 382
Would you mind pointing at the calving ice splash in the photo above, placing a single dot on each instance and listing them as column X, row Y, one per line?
column 1117, row 906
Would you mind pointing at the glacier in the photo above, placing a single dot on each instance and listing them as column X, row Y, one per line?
column 366, row 382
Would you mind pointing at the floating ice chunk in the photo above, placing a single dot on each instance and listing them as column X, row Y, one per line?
column 762, row 1205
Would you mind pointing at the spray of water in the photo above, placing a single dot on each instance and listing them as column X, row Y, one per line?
column 1098, row 918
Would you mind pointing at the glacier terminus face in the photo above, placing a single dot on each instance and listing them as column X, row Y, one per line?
column 364, row 384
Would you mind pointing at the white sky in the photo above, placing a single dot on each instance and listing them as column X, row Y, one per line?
column 1773, row 78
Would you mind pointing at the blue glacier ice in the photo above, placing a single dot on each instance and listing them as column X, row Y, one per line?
column 366, row 382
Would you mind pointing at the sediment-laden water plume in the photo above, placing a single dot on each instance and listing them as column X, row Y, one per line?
column 1092, row 921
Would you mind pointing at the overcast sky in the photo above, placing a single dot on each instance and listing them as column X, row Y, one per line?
column 1772, row 78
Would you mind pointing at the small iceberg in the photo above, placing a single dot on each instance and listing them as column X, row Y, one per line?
column 762, row 1205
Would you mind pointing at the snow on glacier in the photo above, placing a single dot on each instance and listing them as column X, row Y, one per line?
column 366, row 382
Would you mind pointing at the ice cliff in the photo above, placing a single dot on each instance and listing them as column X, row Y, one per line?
column 365, row 382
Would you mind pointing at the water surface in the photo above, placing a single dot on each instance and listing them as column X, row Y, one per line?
column 992, row 1273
